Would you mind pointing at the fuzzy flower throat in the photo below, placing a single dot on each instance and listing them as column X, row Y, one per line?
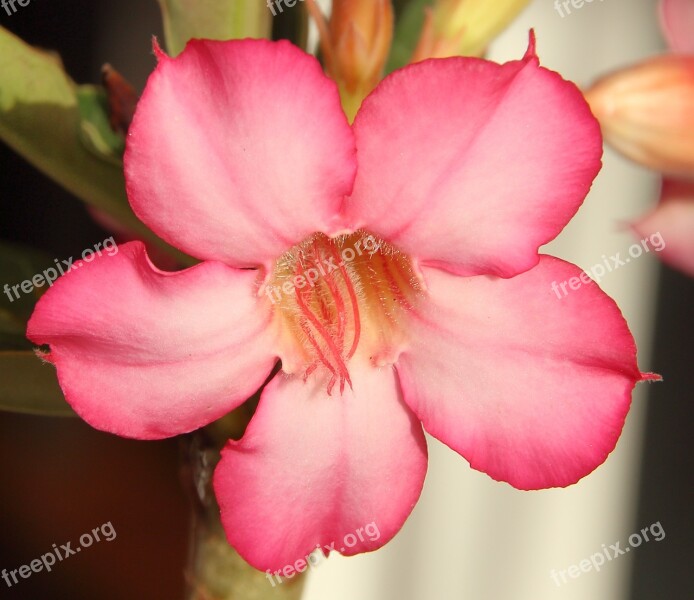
column 333, row 293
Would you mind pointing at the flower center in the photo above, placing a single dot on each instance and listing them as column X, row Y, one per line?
column 335, row 295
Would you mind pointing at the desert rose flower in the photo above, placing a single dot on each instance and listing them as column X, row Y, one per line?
column 391, row 266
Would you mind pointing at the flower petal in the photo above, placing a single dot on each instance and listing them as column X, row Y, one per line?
column 313, row 469
column 471, row 166
column 677, row 20
column 672, row 222
column 239, row 150
column 529, row 386
column 147, row 354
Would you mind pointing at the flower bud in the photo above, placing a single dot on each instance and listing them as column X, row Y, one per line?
column 355, row 44
column 122, row 99
column 464, row 27
column 647, row 113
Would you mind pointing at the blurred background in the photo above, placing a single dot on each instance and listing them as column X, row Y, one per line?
column 469, row 537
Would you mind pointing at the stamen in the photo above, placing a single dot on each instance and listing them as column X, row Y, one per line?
column 393, row 284
column 355, row 305
column 312, row 302
column 311, row 368
column 313, row 342
column 340, row 305
column 325, row 334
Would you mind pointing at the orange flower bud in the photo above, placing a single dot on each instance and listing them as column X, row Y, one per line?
column 122, row 98
column 355, row 44
column 647, row 113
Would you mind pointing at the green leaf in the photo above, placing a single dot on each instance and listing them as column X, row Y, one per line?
column 407, row 31
column 29, row 386
column 40, row 119
column 213, row 20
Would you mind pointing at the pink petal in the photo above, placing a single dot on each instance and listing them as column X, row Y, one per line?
column 531, row 388
column 314, row 469
column 147, row 354
column 672, row 222
column 470, row 165
column 239, row 150
column 677, row 20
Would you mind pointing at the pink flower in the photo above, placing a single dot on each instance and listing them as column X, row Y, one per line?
column 458, row 170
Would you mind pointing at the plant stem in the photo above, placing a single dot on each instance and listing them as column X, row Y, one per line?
column 215, row 571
